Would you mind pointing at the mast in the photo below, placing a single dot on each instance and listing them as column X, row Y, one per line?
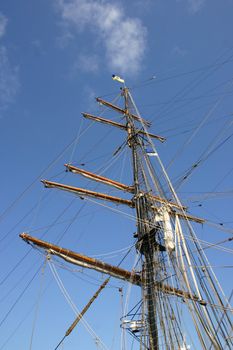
column 172, row 266
column 145, row 241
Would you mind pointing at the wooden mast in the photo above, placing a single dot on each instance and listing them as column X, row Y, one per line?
column 143, row 227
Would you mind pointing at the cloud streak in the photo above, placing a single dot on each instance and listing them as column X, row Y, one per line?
column 3, row 23
column 195, row 5
column 123, row 38
column 9, row 83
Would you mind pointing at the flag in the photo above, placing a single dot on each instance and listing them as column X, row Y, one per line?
column 115, row 77
column 151, row 153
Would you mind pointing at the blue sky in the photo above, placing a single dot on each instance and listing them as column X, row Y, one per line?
column 55, row 57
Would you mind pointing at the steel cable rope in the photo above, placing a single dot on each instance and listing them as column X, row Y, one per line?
column 41, row 174
column 164, row 121
column 188, row 254
column 182, row 132
column 107, row 134
column 211, row 245
column 182, row 270
column 72, row 221
column 190, row 228
column 203, row 256
column 218, row 184
column 37, row 303
column 219, row 227
column 65, row 293
column 73, row 306
column 208, row 195
column 76, row 141
column 193, row 123
column 19, row 297
column 123, row 166
column 14, row 268
column 173, row 284
column 190, row 86
column 75, row 273
column 210, row 149
column 58, row 223
column 211, row 213
column 161, row 120
column 79, row 131
column 167, row 120
column 64, row 266
column 135, row 263
column 29, row 311
column 223, row 316
column 29, row 251
column 191, row 99
column 46, row 169
column 218, row 267
column 21, row 220
column 188, row 141
column 15, row 285
column 203, row 159
column 155, row 80
column 210, row 275
column 133, row 218
column 111, row 161
column 224, row 177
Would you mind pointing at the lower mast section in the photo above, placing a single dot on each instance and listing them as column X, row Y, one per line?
column 145, row 243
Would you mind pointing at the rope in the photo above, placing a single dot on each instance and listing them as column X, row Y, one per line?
column 73, row 306
column 37, row 303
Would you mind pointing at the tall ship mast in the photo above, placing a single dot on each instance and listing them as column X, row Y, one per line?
column 177, row 285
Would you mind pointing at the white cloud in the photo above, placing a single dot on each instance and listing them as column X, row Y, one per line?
column 3, row 23
column 123, row 38
column 195, row 5
column 9, row 83
column 88, row 63
column 179, row 51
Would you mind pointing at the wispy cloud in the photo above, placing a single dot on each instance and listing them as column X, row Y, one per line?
column 194, row 6
column 122, row 37
column 179, row 51
column 3, row 23
column 9, row 82
column 87, row 62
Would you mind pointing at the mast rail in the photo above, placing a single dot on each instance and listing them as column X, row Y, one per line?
column 117, row 200
column 100, row 266
column 99, row 178
column 122, row 111
column 82, row 191
column 120, row 126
